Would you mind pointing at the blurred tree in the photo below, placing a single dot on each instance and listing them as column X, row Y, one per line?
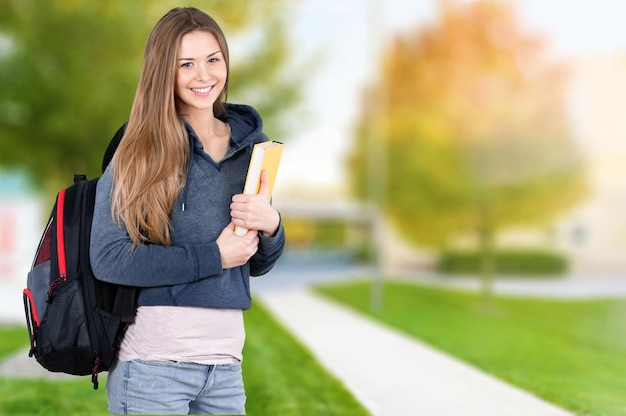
column 471, row 118
column 69, row 71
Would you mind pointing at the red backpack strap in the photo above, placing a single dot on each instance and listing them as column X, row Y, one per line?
column 60, row 223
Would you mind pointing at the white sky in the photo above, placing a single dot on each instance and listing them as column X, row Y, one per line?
column 344, row 38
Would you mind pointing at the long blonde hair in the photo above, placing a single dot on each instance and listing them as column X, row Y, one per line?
column 150, row 165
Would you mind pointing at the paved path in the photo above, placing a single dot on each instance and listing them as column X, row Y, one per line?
column 569, row 287
column 393, row 374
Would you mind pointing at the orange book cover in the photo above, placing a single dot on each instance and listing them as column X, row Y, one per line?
column 265, row 156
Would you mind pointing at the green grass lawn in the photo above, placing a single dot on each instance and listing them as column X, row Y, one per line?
column 281, row 378
column 571, row 353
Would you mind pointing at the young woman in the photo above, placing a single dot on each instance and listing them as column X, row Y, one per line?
column 166, row 209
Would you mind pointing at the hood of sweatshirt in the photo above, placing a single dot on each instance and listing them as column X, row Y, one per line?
column 245, row 124
column 246, row 127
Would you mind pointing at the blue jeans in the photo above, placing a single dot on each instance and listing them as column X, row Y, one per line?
column 170, row 387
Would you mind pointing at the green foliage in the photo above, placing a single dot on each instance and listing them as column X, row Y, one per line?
column 521, row 262
column 69, row 71
column 572, row 353
column 281, row 378
column 470, row 115
column 68, row 79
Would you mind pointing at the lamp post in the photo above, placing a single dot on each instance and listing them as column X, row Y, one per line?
column 376, row 149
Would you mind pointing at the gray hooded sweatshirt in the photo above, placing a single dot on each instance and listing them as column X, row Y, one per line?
column 189, row 271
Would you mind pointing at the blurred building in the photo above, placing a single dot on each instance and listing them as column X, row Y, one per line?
column 20, row 231
column 594, row 234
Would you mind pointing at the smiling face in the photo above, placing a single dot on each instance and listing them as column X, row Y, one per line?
column 201, row 72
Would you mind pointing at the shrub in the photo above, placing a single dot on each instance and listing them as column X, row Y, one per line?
column 507, row 262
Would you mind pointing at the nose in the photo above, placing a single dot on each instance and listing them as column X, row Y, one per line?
column 204, row 73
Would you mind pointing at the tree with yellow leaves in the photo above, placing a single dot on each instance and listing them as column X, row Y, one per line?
column 471, row 116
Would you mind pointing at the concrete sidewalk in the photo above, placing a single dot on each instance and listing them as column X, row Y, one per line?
column 390, row 373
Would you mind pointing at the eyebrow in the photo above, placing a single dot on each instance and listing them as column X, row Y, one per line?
column 208, row 56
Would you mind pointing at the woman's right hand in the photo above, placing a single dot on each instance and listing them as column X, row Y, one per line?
column 236, row 250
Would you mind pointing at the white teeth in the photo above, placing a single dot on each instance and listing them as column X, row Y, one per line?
column 201, row 90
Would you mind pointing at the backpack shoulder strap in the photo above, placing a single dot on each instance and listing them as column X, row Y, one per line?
column 113, row 144
column 125, row 300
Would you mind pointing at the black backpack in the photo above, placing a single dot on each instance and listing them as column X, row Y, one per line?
column 75, row 322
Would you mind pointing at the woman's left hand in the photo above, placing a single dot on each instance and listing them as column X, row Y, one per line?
column 255, row 212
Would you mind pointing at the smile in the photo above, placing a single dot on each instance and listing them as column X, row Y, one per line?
column 201, row 90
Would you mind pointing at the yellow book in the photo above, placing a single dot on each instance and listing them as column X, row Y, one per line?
column 265, row 156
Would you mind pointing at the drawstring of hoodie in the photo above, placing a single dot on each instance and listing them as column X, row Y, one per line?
column 192, row 148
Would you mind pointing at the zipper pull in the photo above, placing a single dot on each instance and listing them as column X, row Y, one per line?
column 55, row 283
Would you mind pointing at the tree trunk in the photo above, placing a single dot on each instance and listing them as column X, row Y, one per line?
column 487, row 255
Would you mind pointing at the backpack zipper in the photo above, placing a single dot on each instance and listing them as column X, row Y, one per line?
column 94, row 371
